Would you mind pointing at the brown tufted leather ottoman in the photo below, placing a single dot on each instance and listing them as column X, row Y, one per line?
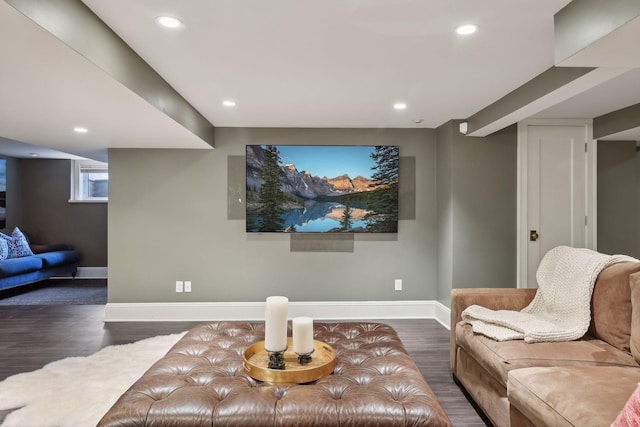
column 201, row 382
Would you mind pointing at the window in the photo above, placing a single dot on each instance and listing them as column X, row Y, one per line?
column 89, row 181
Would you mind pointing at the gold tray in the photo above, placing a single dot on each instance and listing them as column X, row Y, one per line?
column 256, row 362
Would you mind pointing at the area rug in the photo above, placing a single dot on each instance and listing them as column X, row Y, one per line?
column 58, row 292
column 78, row 391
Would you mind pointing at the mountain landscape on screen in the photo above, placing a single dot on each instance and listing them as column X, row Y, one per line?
column 321, row 189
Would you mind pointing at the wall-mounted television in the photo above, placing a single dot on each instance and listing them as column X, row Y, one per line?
column 322, row 188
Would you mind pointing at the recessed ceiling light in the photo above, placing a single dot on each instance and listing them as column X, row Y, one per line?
column 229, row 103
column 417, row 121
column 466, row 29
column 80, row 129
column 399, row 105
column 33, row 154
column 169, row 21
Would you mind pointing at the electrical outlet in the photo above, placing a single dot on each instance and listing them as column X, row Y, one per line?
column 398, row 284
column 187, row 286
column 179, row 286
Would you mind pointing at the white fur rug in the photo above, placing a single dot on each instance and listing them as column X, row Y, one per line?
column 78, row 391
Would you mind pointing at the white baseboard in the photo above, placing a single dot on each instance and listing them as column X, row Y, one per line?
column 88, row 273
column 92, row 273
column 443, row 314
column 320, row 310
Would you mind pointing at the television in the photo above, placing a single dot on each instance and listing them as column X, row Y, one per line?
column 322, row 188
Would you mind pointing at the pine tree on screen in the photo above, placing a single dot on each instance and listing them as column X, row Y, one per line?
column 383, row 196
column 346, row 223
column 270, row 194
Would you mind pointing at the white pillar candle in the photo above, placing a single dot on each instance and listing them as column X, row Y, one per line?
column 275, row 324
column 302, row 335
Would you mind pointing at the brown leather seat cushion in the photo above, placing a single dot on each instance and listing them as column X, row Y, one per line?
column 572, row 395
column 201, row 382
column 498, row 358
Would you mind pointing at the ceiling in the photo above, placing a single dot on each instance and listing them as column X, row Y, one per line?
column 286, row 63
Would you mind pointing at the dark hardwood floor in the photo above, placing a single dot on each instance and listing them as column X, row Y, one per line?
column 32, row 336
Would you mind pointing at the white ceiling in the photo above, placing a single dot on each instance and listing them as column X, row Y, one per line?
column 286, row 63
column 47, row 89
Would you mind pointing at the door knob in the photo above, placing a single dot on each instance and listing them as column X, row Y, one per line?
column 533, row 235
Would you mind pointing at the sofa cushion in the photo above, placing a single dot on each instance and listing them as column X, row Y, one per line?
column 611, row 305
column 572, row 396
column 54, row 259
column 500, row 357
column 634, row 283
column 18, row 244
column 14, row 266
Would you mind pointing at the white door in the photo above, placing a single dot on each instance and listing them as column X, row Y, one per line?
column 554, row 173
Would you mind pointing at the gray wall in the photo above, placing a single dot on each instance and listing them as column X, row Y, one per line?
column 618, row 231
column 48, row 217
column 169, row 220
column 444, row 193
column 477, row 203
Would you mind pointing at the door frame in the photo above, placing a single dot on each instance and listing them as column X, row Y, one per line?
column 590, row 177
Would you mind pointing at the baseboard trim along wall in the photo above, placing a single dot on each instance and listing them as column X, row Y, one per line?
column 92, row 273
column 333, row 310
column 88, row 273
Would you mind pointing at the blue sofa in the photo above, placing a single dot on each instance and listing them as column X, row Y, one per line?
column 47, row 261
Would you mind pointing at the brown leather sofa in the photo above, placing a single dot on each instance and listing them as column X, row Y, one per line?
column 578, row 383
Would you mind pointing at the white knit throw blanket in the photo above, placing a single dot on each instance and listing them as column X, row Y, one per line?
column 561, row 308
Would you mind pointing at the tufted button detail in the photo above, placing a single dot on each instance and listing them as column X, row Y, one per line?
column 335, row 391
column 401, row 392
column 384, row 351
column 362, row 378
column 389, row 370
column 200, row 381
column 353, row 358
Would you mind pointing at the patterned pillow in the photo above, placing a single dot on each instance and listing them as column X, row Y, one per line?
column 4, row 249
column 17, row 243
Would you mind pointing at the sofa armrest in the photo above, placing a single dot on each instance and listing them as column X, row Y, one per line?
column 38, row 249
column 493, row 298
